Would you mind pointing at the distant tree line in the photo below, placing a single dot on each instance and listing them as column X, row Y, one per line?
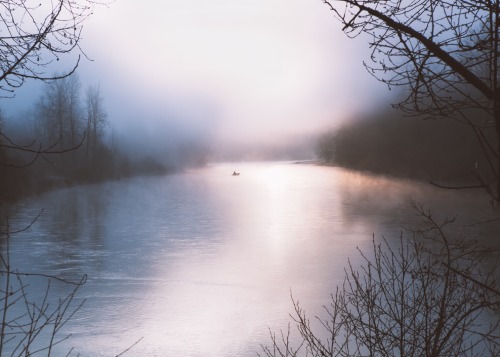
column 60, row 117
column 389, row 142
column 64, row 139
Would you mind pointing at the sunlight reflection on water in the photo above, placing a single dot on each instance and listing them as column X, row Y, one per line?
column 202, row 263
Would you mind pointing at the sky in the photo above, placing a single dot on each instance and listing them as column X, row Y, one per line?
column 234, row 70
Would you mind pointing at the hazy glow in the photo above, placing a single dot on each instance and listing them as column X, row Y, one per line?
column 245, row 71
column 262, row 66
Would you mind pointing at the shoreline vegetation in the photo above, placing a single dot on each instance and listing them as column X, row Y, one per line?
column 439, row 151
column 22, row 184
column 66, row 139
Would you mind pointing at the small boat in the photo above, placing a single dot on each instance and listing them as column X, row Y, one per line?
column 235, row 173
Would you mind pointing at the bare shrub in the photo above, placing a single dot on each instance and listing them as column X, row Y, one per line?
column 429, row 296
column 31, row 325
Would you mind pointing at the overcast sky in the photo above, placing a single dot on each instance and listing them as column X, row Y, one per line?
column 232, row 68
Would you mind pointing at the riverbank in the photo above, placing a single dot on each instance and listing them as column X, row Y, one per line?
column 19, row 183
column 440, row 151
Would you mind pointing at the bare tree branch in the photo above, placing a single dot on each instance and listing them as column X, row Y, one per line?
column 444, row 53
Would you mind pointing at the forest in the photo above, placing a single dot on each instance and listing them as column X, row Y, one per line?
column 66, row 138
column 439, row 150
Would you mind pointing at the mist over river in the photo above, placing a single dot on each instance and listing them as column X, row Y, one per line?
column 202, row 263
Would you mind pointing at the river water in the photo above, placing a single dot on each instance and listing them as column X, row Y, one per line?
column 203, row 263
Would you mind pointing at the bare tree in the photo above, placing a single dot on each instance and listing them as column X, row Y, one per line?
column 326, row 147
column 31, row 326
column 96, row 118
column 446, row 53
column 60, row 113
column 34, row 34
column 74, row 111
column 434, row 295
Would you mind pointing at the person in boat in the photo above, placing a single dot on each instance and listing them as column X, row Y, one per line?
column 235, row 173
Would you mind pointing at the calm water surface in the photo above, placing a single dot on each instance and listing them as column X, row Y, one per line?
column 202, row 263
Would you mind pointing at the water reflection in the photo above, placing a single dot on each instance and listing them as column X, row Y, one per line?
column 202, row 263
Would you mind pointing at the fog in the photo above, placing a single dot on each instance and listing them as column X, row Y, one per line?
column 221, row 73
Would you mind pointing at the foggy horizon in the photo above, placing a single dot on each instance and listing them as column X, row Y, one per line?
column 224, row 74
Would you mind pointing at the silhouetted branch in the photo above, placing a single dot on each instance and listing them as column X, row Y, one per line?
column 482, row 185
column 9, row 232
column 461, row 187
column 40, row 152
column 422, row 296
column 27, row 326
column 82, row 281
column 445, row 53
column 129, row 348
column 475, row 281
column 36, row 35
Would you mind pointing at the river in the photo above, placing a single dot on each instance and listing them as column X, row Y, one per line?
column 203, row 263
